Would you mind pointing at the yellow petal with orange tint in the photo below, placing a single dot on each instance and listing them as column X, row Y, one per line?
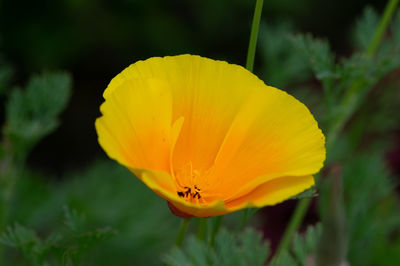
column 273, row 135
column 136, row 126
column 272, row 192
column 206, row 92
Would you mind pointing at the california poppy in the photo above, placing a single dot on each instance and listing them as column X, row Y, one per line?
column 208, row 136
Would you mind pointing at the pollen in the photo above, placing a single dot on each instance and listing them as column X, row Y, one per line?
column 187, row 180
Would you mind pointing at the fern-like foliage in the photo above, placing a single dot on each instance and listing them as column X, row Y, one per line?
column 283, row 66
column 32, row 113
column 303, row 249
column 64, row 247
column 246, row 248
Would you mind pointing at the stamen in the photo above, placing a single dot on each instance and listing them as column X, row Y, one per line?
column 189, row 193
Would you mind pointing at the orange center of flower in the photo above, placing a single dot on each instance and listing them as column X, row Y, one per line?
column 192, row 184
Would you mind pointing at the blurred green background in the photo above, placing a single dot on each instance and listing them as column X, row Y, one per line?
column 74, row 197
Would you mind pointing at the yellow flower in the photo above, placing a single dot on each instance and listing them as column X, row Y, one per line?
column 208, row 136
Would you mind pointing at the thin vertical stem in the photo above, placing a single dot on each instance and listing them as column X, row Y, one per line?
column 244, row 219
column 215, row 229
column 386, row 17
column 293, row 225
column 251, row 52
column 3, row 221
column 7, row 181
column 182, row 231
column 202, row 229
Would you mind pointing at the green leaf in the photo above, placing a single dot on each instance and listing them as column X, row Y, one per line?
column 309, row 193
column 319, row 57
column 74, row 246
column 246, row 248
column 285, row 259
column 77, row 240
column 282, row 64
column 253, row 249
column 73, row 220
column 358, row 67
column 32, row 113
column 365, row 28
column 26, row 241
column 67, row 246
column 18, row 236
column 388, row 55
column 304, row 247
column 177, row 257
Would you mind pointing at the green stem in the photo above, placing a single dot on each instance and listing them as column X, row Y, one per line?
column 244, row 219
column 387, row 16
column 215, row 229
column 349, row 104
column 202, row 229
column 293, row 225
column 3, row 221
column 251, row 52
column 7, row 182
column 182, row 231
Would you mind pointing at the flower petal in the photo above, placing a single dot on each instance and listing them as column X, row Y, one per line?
column 272, row 192
column 273, row 135
column 163, row 185
column 136, row 126
column 207, row 93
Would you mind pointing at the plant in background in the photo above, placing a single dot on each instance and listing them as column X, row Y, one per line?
column 31, row 114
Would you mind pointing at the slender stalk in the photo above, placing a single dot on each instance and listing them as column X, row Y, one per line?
column 244, row 219
column 349, row 104
column 182, row 231
column 215, row 229
column 251, row 52
column 387, row 16
column 3, row 221
column 202, row 229
column 293, row 225
column 7, row 180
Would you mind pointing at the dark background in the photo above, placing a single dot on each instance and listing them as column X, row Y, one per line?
column 96, row 39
